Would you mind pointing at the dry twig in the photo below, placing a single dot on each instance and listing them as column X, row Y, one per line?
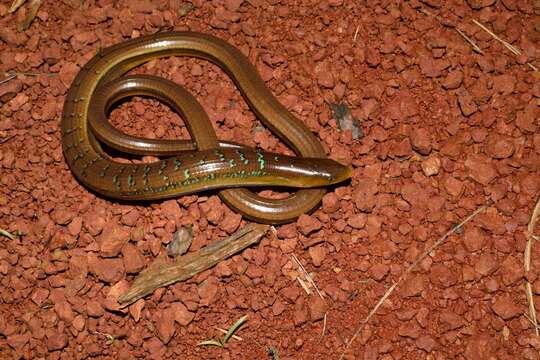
column 160, row 274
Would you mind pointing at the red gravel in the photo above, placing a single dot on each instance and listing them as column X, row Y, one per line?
column 446, row 130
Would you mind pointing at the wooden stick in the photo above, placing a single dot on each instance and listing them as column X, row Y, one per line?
column 160, row 274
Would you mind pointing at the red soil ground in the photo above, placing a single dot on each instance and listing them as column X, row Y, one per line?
column 446, row 131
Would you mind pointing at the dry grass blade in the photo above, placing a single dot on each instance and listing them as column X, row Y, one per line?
column 324, row 326
column 307, row 276
column 110, row 339
column 428, row 13
column 303, row 285
column 509, row 46
column 532, row 310
column 12, row 75
column 7, row 234
column 527, row 265
column 406, row 272
column 534, row 218
column 233, row 328
column 210, row 343
column 8, row 77
column 223, row 331
column 476, row 48
column 506, row 44
column 36, row 74
column 15, row 5
column 273, row 352
column 470, row 41
column 6, row 139
column 355, row 33
column 228, row 334
column 33, row 8
column 531, row 321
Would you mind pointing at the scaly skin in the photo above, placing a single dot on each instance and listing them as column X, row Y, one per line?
column 216, row 164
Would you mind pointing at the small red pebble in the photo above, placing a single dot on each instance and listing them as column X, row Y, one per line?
column 94, row 221
column 506, row 307
column 17, row 341
column 230, row 222
column 450, row 320
column 364, row 195
column 9, row 89
column 67, row 73
column 431, row 166
column 357, row 221
column 324, row 76
column 181, row 314
column 300, row 316
column 318, row 254
column 453, row 186
column 164, row 324
column 421, row 141
column 213, row 209
column 61, row 240
column 409, row 329
column 443, row 275
column 208, row 292
column 171, row 210
column 130, row 218
column 133, row 259
column 466, row 103
column 64, row 311
column 426, row 343
column 486, row 264
column 453, row 80
column 317, row 309
column 56, row 340
column 480, row 168
column 112, row 239
column 474, row 238
column 94, row 308
column 526, row 119
column 109, row 270
column 308, row 224
column 413, row 286
column 379, row 271
column 287, row 231
column 330, row 203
